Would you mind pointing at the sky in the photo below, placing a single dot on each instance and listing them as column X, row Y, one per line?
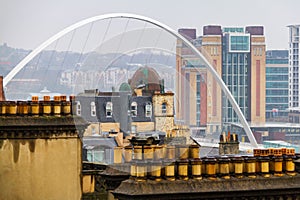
column 28, row 23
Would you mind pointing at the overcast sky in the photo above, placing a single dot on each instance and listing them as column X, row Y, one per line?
column 28, row 23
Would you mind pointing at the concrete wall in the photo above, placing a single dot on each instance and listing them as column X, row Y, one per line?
column 40, row 168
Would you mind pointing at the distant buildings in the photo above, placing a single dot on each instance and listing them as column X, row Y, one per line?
column 294, row 67
column 105, row 80
column 140, row 106
column 136, row 107
column 277, row 82
column 79, row 80
column 238, row 56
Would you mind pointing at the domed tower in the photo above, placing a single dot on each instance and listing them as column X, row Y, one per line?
column 125, row 87
column 147, row 79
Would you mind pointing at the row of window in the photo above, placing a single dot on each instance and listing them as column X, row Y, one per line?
column 235, row 80
column 280, row 106
column 235, row 58
column 133, row 111
column 257, row 51
column 277, row 78
column 277, row 85
column 239, row 43
column 214, row 51
column 276, row 99
column 294, row 63
column 231, row 69
column 277, row 61
column 148, row 109
column 277, row 70
column 93, row 109
column 276, row 92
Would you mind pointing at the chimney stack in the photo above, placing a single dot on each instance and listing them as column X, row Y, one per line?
column 2, row 96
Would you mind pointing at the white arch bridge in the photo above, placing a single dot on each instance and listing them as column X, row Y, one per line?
column 164, row 27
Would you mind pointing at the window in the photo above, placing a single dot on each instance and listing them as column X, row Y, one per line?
column 133, row 129
column 215, row 51
column 239, row 43
column 109, row 109
column 164, row 108
column 133, row 109
column 260, row 51
column 93, row 130
column 93, row 109
column 78, row 108
column 148, row 109
column 96, row 155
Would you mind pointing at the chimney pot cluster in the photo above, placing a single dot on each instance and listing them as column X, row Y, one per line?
column 183, row 162
column 46, row 107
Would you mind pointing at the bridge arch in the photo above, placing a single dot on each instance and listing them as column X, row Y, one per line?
column 224, row 88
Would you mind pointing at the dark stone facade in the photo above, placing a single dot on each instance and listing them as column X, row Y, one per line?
column 121, row 102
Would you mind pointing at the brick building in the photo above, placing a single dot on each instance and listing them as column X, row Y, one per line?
column 238, row 56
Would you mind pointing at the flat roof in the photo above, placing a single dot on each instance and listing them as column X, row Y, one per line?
column 281, row 142
column 270, row 125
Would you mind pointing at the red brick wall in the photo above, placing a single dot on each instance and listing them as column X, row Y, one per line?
column 2, row 96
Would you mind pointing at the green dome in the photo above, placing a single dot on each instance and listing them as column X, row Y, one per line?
column 125, row 87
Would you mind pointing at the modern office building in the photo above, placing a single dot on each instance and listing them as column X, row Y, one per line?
column 277, row 85
column 238, row 56
column 294, row 75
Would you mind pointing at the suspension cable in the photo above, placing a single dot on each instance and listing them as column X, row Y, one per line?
column 86, row 40
column 50, row 60
column 35, row 67
column 139, row 40
column 155, row 44
column 65, row 57
column 168, row 57
column 125, row 29
column 68, row 49
column 104, row 36
column 82, row 50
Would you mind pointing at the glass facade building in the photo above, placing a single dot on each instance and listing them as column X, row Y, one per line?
column 235, row 64
column 277, row 81
column 239, row 43
column 238, row 56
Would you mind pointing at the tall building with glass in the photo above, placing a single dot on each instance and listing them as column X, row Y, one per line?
column 238, row 56
column 243, row 69
column 277, row 85
column 235, row 70
column 294, row 73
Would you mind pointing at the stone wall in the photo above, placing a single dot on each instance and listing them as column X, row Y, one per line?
column 40, row 153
